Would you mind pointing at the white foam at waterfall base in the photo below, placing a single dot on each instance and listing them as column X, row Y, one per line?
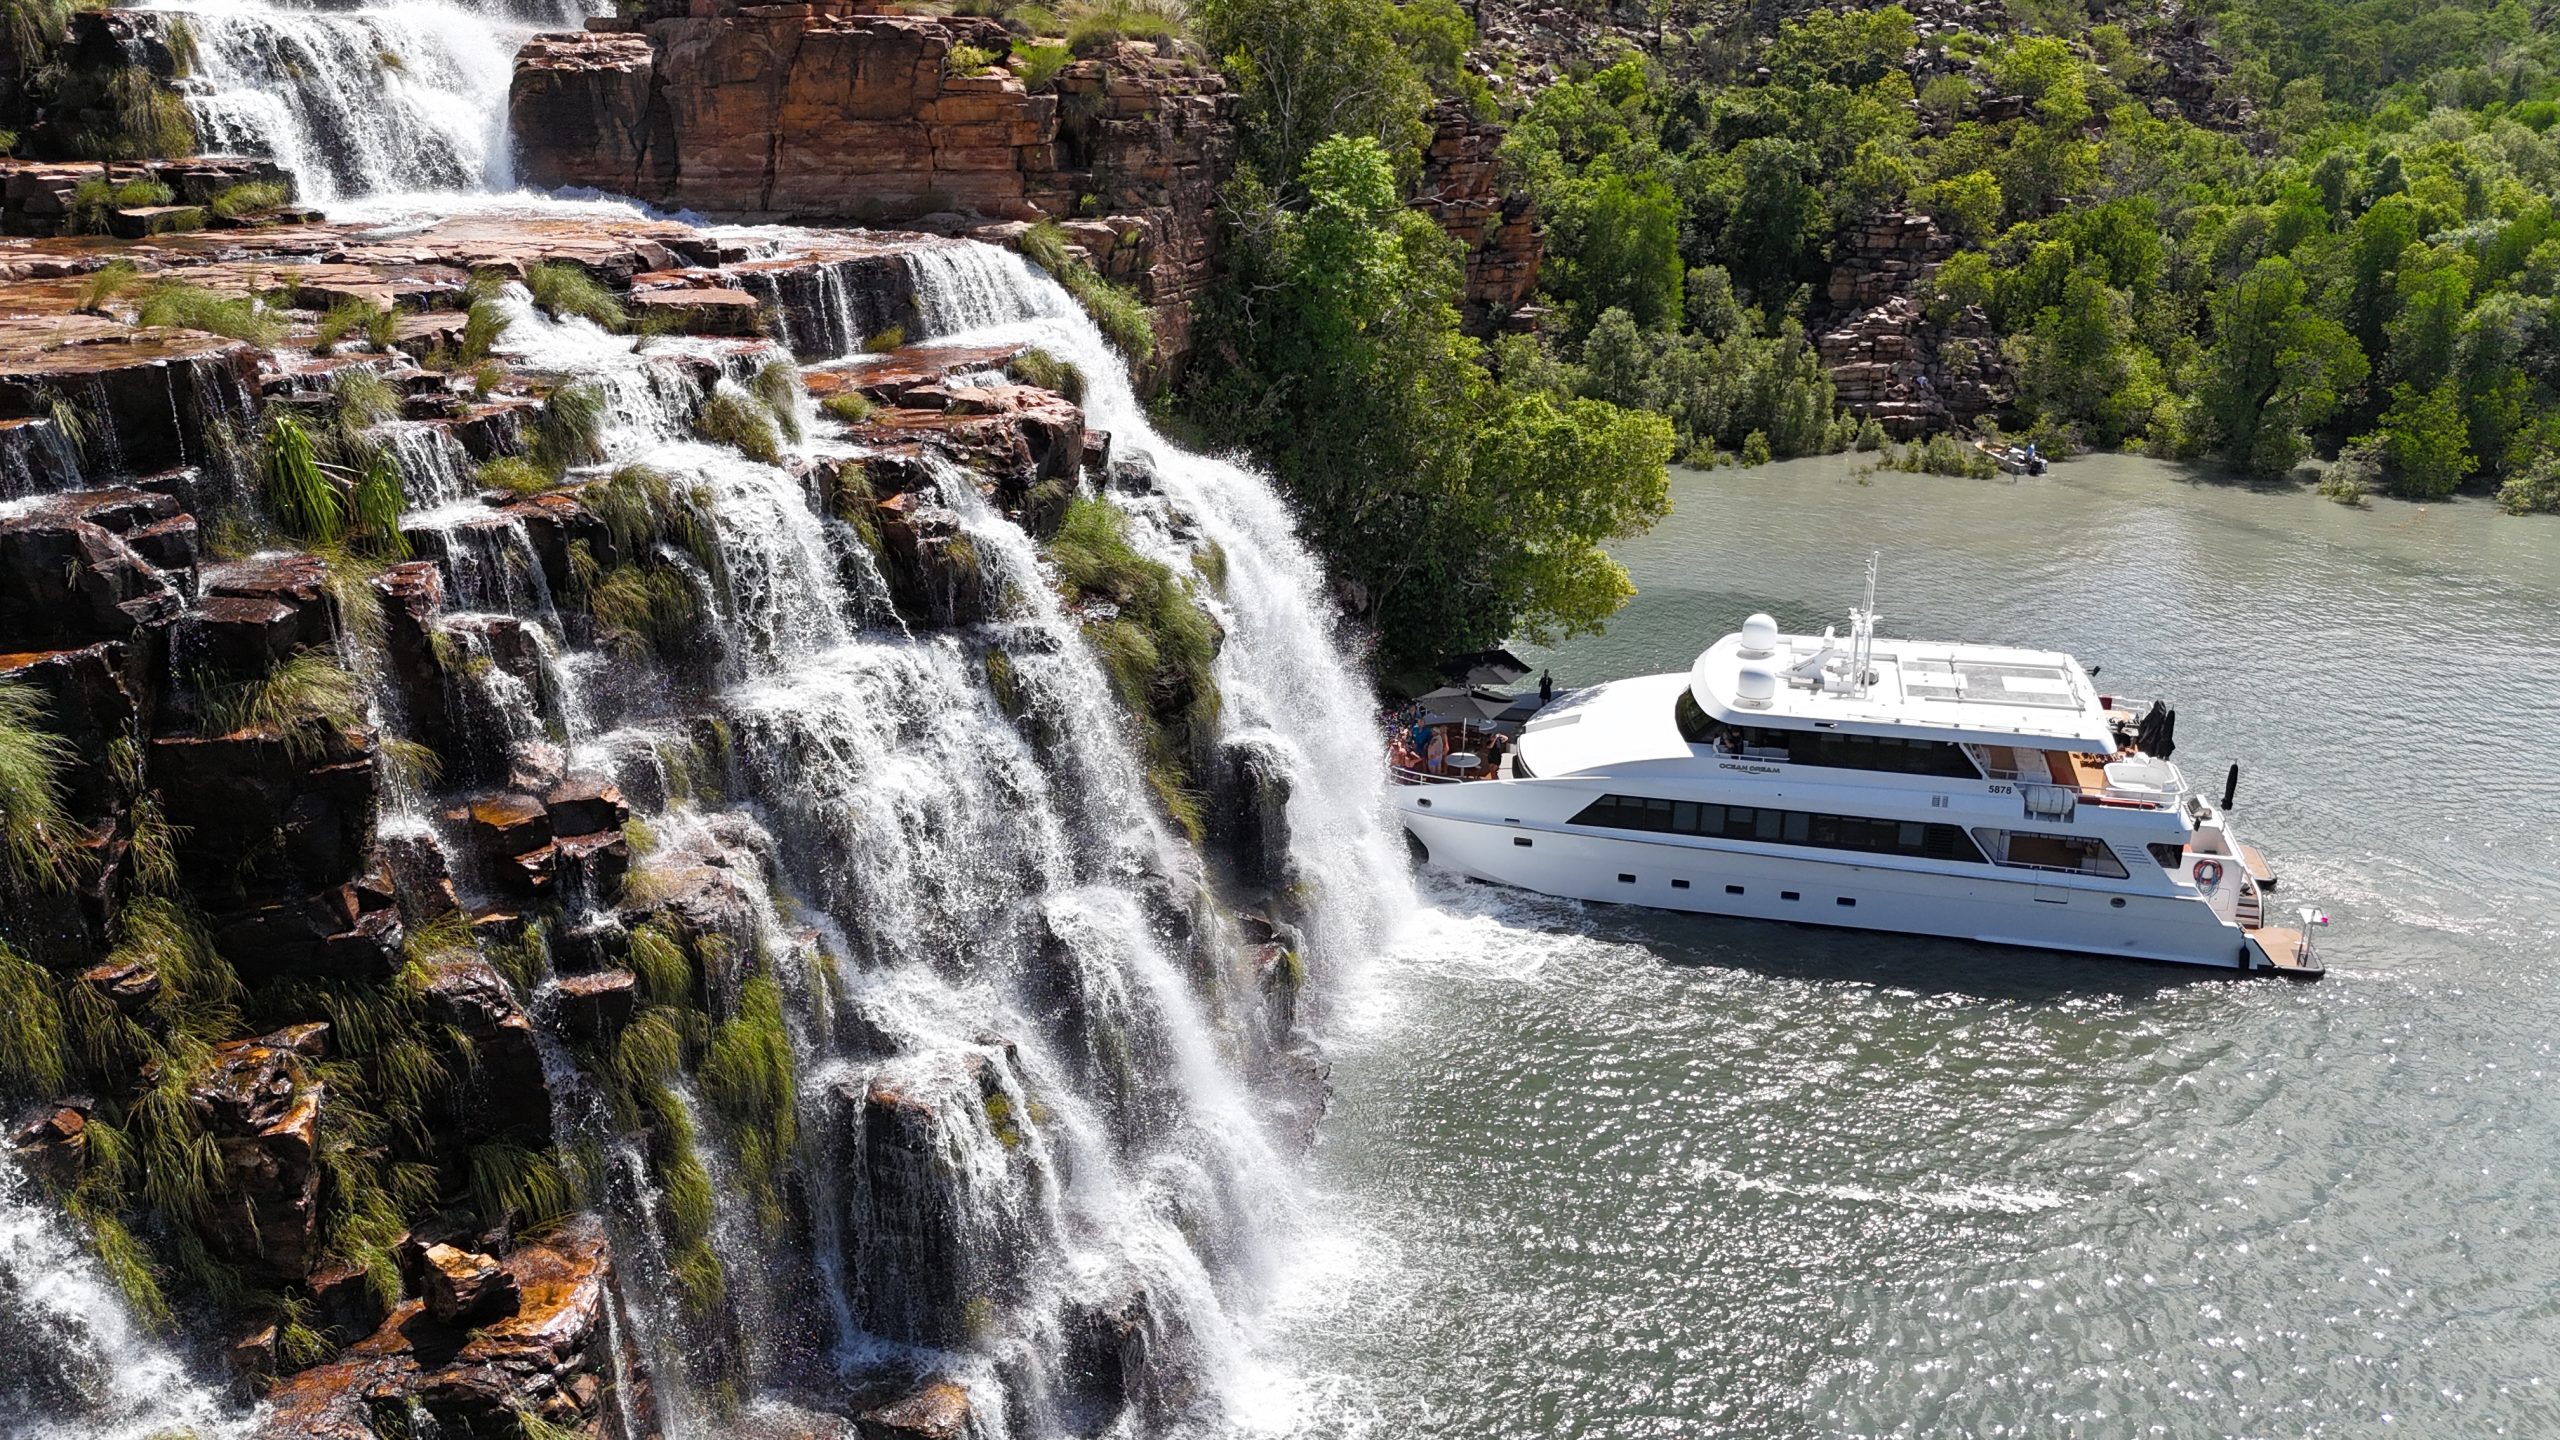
column 1285, row 672
column 403, row 96
column 73, row 1356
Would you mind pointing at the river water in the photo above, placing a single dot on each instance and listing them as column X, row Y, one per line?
column 1602, row 1172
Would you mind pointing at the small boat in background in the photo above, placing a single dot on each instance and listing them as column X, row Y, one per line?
column 2012, row 459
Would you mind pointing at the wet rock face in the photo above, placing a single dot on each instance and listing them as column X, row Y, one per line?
column 462, row 1287
column 1253, row 819
column 937, row 1410
column 264, row 1108
column 547, row 1356
column 267, row 813
column 67, row 580
column 504, row 1093
column 943, row 1213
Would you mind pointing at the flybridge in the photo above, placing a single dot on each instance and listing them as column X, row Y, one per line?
column 1980, row 694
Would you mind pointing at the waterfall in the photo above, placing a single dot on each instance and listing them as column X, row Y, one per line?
column 1036, row 1163
column 1287, row 673
column 401, row 96
column 78, row 1368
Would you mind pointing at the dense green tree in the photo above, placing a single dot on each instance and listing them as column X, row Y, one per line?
column 1457, row 509
column 1618, row 247
column 1309, row 69
column 2426, row 442
column 2275, row 370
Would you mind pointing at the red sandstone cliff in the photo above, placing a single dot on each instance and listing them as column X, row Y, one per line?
column 813, row 112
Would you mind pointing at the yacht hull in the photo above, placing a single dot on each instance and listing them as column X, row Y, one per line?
column 1985, row 905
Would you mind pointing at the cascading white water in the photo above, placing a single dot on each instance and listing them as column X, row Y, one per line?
column 1286, row 672
column 1015, row 923
column 394, row 97
column 76, row 1366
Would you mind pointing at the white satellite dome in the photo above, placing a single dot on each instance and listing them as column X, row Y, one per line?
column 1759, row 637
column 1754, row 688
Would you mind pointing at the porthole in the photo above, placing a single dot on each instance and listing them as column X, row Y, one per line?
column 1789, row 895
column 1679, row 884
column 1522, row 841
column 2117, row 902
column 1626, row 879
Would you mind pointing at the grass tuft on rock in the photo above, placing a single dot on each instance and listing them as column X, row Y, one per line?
column 35, row 831
column 178, row 305
column 310, row 685
column 569, row 428
column 734, row 418
column 778, row 386
column 306, row 498
column 852, row 407
column 352, row 318
column 34, row 1052
column 748, row 1078
column 515, row 475
column 508, row 1179
column 248, row 199
column 1038, row 367
column 92, row 201
column 567, row 291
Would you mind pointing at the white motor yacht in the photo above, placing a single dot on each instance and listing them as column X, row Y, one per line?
column 1977, row 792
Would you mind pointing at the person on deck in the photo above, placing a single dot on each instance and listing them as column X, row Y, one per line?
column 1546, row 688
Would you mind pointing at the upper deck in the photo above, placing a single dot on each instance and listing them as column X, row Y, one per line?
column 1919, row 690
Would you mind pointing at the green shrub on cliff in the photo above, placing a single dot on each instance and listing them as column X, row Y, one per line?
column 1157, row 645
column 968, row 60
column 1038, row 65
column 1102, row 26
column 1116, row 309
column 1457, row 509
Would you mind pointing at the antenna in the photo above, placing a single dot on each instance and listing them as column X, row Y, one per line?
column 1862, row 632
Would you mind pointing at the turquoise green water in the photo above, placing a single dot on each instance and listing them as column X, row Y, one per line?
column 1603, row 1172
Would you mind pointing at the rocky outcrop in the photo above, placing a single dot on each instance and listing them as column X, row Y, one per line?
column 263, row 1105
column 1887, row 360
column 1497, row 232
column 816, row 113
column 786, row 111
column 537, row 1346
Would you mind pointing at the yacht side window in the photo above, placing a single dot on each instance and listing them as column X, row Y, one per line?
column 2037, row 850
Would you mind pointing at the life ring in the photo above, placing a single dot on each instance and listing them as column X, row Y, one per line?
column 2208, row 874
